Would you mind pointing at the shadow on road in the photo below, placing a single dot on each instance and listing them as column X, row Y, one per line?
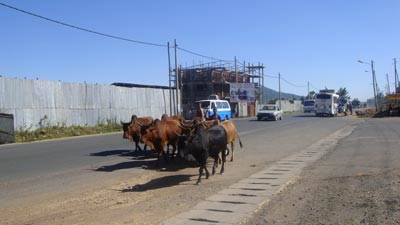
column 158, row 183
column 145, row 160
column 146, row 164
column 255, row 120
column 305, row 115
column 122, row 152
column 110, row 152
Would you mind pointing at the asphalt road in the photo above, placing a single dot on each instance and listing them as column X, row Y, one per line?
column 28, row 161
column 357, row 182
column 91, row 179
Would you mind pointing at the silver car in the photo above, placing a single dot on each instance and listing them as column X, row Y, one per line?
column 269, row 112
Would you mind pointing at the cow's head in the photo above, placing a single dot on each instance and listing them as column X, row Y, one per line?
column 125, row 128
column 133, row 118
column 134, row 129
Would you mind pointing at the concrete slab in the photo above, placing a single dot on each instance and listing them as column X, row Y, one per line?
column 241, row 192
column 185, row 221
column 254, row 181
column 247, row 199
column 236, row 208
column 205, row 216
column 250, row 186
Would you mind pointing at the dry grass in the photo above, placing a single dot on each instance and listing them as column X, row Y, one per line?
column 368, row 112
column 59, row 131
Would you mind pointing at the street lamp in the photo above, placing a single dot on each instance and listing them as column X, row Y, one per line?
column 373, row 80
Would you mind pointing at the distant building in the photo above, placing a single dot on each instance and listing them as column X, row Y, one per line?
column 371, row 103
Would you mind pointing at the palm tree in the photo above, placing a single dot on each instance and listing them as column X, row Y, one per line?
column 342, row 92
column 311, row 95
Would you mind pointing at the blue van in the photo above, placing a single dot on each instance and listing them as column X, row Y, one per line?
column 223, row 108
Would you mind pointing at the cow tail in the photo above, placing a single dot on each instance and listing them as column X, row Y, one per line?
column 240, row 141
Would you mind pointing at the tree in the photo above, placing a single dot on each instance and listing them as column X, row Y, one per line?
column 356, row 103
column 342, row 92
column 380, row 97
column 311, row 95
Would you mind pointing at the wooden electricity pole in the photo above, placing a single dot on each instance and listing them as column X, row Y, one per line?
column 176, row 80
column 279, row 95
column 396, row 76
column 169, row 83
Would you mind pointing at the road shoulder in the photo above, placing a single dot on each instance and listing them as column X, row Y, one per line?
column 357, row 182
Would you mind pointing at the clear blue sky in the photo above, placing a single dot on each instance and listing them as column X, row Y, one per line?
column 313, row 40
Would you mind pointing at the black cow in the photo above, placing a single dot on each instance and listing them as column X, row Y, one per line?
column 204, row 143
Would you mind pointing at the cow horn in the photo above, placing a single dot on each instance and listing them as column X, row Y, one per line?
column 140, row 125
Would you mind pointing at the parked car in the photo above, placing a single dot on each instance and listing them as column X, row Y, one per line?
column 269, row 112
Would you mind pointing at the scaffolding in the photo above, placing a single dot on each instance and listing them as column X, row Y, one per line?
column 198, row 82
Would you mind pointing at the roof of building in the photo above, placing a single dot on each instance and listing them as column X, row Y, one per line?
column 131, row 85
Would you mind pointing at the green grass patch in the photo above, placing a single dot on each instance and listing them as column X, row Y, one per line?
column 60, row 131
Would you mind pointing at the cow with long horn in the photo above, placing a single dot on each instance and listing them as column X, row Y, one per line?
column 135, row 129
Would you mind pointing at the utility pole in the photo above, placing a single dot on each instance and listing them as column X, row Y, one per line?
column 388, row 84
column 259, row 82
column 262, row 81
column 279, row 95
column 374, row 84
column 236, row 76
column 169, row 83
column 308, row 90
column 396, row 76
column 176, row 80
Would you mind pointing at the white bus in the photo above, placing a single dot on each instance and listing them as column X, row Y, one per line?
column 326, row 104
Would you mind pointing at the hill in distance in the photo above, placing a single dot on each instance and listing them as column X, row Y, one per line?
column 271, row 94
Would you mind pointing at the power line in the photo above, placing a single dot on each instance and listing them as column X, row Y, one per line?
column 294, row 85
column 271, row 76
column 201, row 55
column 105, row 34
column 313, row 86
column 82, row 28
column 126, row 39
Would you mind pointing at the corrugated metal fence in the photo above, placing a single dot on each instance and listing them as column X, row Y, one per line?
column 39, row 102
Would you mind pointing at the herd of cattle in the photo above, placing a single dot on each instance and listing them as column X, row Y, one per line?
column 198, row 138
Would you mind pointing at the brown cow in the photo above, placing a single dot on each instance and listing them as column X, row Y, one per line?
column 163, row 133
column 136, row 128
column 231, row 133
column 176, row 117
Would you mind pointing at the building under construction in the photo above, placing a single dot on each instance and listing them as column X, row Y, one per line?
column 243, row 89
